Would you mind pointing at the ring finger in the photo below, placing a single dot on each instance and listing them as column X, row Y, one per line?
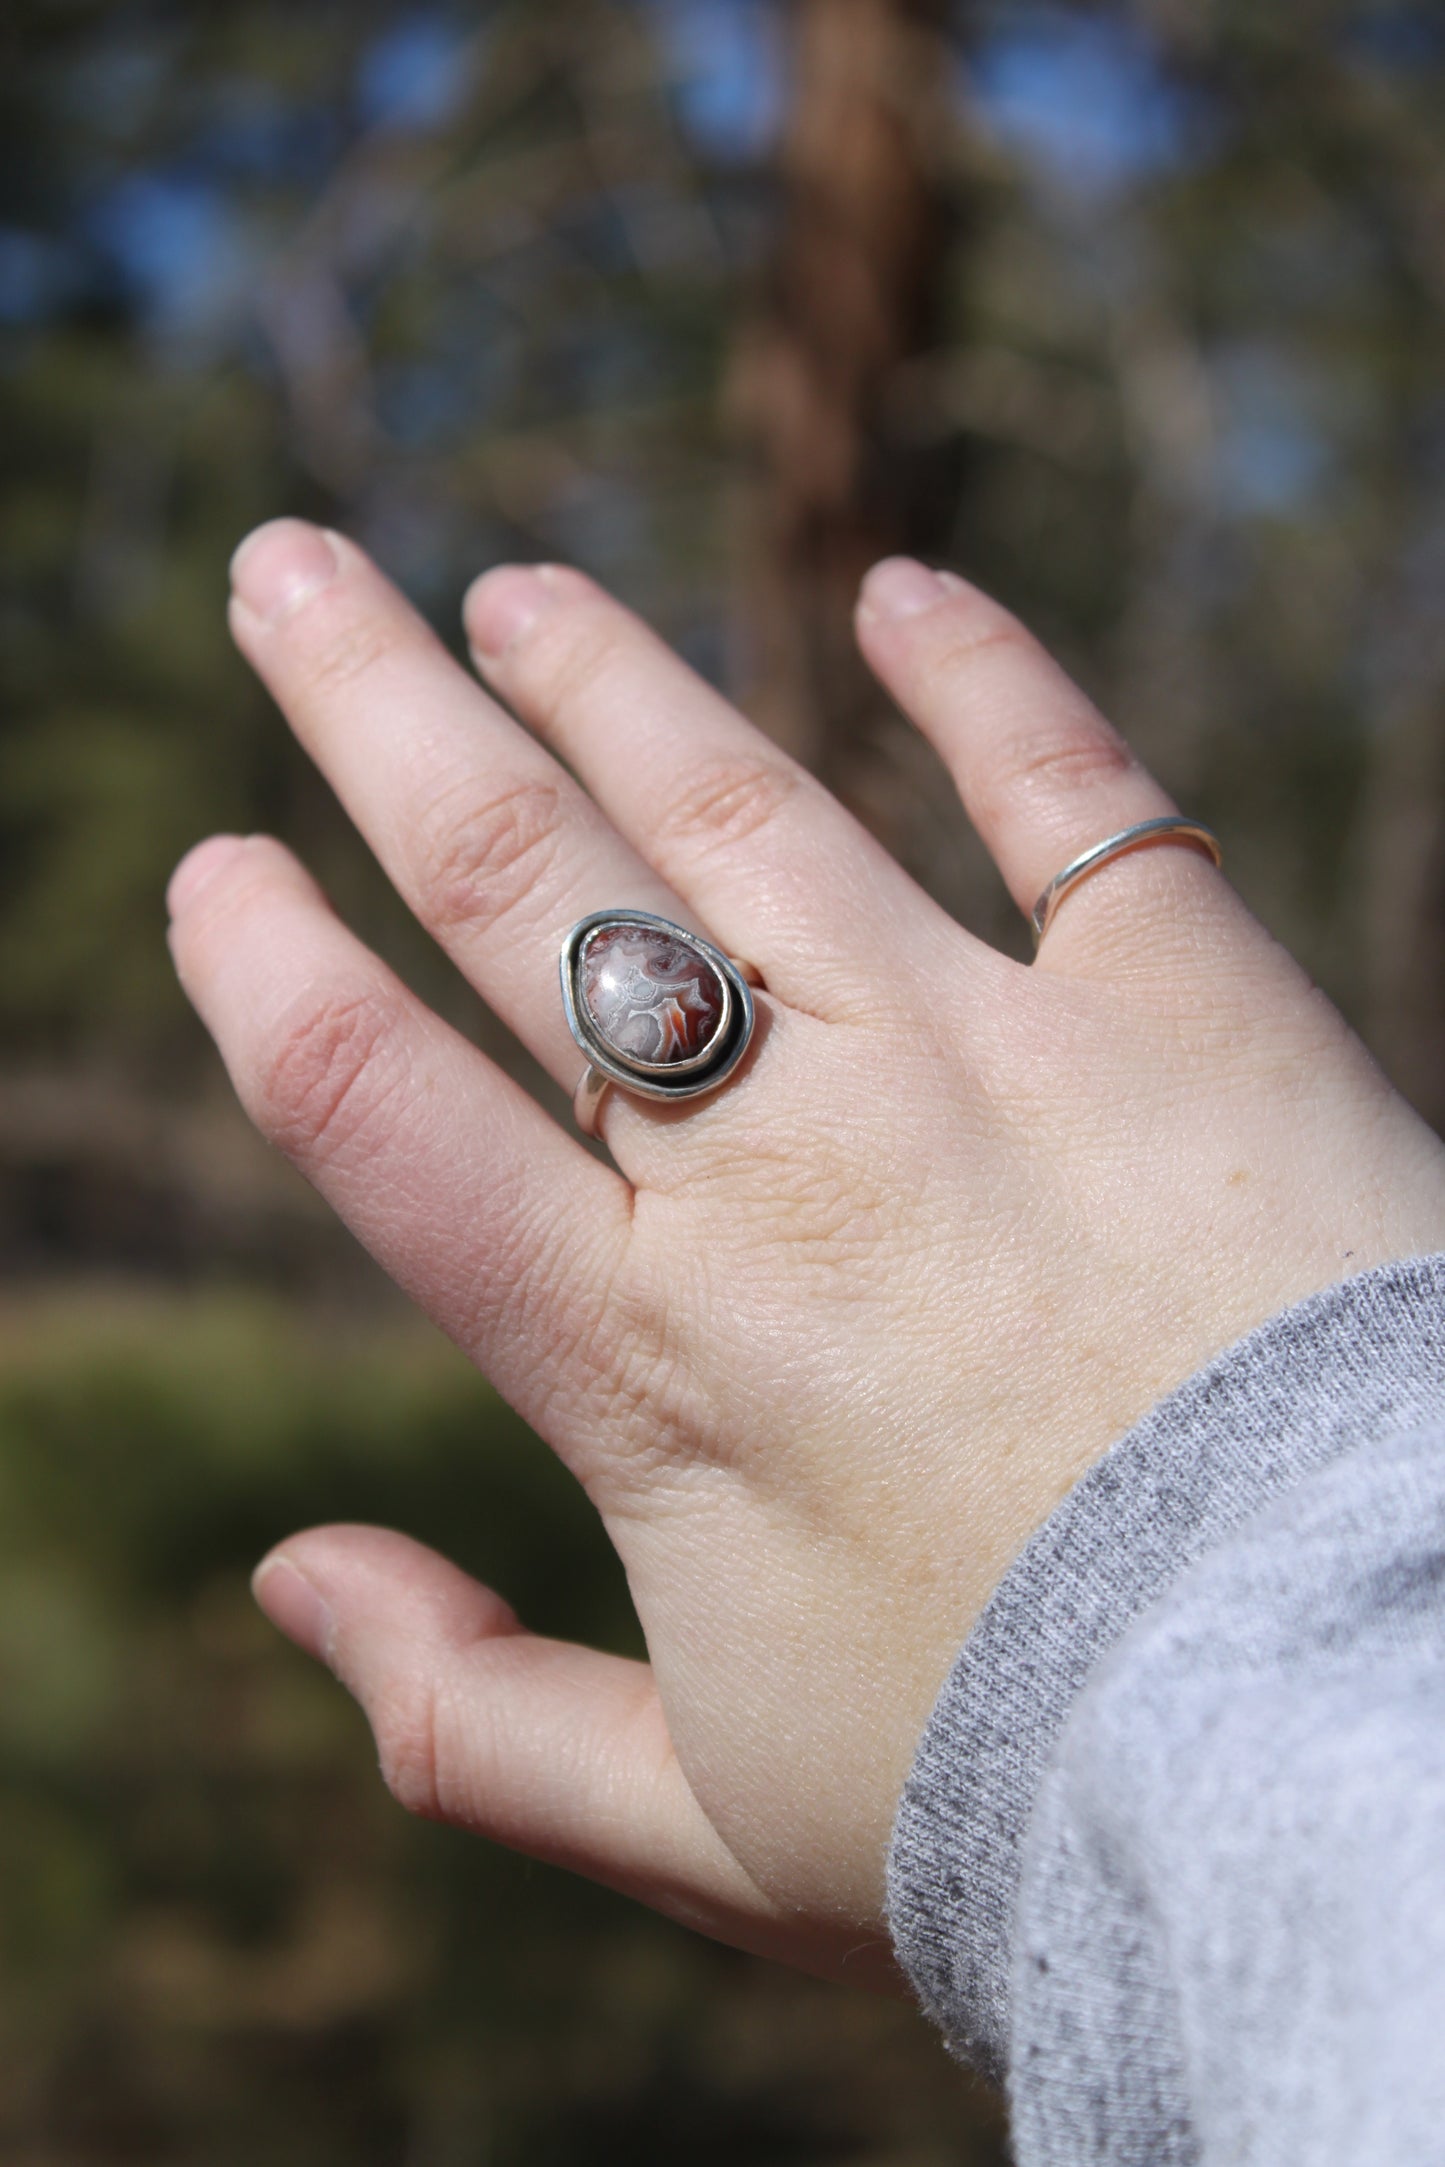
column 483, row 833
column 785, row 873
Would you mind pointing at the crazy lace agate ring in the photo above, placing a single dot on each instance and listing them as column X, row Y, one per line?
column 654, row 1008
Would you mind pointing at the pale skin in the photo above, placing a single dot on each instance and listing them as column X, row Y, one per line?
column 827, row 1346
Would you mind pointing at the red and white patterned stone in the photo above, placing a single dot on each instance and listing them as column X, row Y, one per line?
column 651, row 998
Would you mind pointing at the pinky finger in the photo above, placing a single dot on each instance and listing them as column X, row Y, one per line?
column 1042, row 775
column 555, row 1750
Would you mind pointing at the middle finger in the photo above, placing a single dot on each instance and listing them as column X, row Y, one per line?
column 484, row 834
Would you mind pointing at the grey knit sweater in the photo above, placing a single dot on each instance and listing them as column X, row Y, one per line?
column 1171, row 1857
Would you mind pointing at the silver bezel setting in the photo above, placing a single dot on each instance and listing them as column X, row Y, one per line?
column 702, row 1071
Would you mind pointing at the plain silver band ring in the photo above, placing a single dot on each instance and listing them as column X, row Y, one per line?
column 1172, row 829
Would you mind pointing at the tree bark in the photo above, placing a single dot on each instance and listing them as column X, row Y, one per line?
column 853, row 297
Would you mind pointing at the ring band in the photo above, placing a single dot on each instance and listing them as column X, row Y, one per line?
column 1171, row 829
column 654, row 1007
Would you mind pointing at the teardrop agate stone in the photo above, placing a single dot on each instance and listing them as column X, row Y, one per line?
column 652, row 999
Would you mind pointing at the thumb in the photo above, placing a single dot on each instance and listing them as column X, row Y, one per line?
column 553, row 1749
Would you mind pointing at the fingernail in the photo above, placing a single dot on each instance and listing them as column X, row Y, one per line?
column 198, row 867
column 280, row 566
column 504, row 604
column 902, row 587
column 295, row 1607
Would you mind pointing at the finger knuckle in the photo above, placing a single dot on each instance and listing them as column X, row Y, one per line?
column 1077, row 755
column 975, row 629
column 336, row 642
column 205, row 932
column 329, row 1073
column 477, row 859
column 571, row 658
column 726, row 801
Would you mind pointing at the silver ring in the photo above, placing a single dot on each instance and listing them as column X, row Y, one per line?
column 655, row 1008
column 1171, row 829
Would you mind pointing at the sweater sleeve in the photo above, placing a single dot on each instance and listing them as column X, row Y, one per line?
column 1097, row 1879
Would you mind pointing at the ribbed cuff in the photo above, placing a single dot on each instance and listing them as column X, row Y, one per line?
column 1349, row 1366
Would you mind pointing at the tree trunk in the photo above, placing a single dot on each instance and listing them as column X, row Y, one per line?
column 853, row 297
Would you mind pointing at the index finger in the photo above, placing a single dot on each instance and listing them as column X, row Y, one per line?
column 508, row 1233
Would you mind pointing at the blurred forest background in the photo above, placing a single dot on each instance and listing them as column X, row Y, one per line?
column 1132, row 312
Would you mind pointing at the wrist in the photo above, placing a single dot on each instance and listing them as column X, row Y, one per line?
column 1345, row 1367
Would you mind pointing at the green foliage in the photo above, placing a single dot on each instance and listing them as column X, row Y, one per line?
column 222, row 1940
column 160, row 1443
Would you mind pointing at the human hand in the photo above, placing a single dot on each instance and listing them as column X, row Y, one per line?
column 824, row 1347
